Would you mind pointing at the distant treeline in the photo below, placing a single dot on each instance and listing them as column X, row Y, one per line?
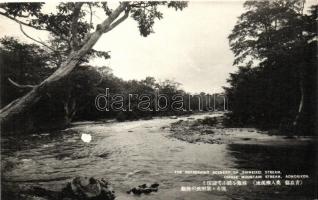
column 275, row 87
column 280, row 90
column 24, row 65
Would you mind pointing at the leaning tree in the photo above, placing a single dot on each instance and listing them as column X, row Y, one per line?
column 73, row 34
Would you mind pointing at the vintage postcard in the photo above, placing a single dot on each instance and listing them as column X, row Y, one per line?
column 158, row 100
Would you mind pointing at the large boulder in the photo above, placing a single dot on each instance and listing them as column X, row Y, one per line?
column 83, row 188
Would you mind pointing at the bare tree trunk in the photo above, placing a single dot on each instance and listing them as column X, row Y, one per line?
column 301, row 102
column 69, row 109
column 22, row 105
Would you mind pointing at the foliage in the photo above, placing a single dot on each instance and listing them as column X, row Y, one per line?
column 267, row 93
column 73, row 98
column 73, row 34
column 72, row 23
column 23, row 63
column 266, row 29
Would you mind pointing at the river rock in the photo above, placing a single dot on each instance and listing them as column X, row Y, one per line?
column 144, row 189
column 83, row 188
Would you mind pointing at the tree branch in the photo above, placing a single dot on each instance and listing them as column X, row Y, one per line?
column 116, row 23
column 57, row 53
column 19, row 85
column 106, row 26
column 8, row 106
column 138, row 5
column 74, row 57
column 91, row 15
column 35, row 27
column 21, row 22
column 74, row 25
column 24, row 33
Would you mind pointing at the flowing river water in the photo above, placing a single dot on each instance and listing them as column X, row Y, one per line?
column 132, row 153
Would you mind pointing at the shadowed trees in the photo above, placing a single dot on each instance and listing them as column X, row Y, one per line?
column 74, row 34
column 278, row 90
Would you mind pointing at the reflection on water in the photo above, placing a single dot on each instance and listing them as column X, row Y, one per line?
column 132, row 153
column 289, row 159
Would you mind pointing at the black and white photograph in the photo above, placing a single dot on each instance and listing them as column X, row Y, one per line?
column 159, row 100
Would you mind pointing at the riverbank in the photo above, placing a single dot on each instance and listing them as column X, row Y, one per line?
column 211, row 130
column 131, row 153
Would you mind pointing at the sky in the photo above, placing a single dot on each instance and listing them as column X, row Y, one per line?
column 189, row 46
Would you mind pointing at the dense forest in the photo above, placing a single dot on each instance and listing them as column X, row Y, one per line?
column 73, row 98
column 278, row 90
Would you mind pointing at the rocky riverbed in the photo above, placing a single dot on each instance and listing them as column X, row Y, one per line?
column 210, row 130
column 131, row 154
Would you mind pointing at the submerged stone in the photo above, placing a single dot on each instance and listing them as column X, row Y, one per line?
column 144, row 189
